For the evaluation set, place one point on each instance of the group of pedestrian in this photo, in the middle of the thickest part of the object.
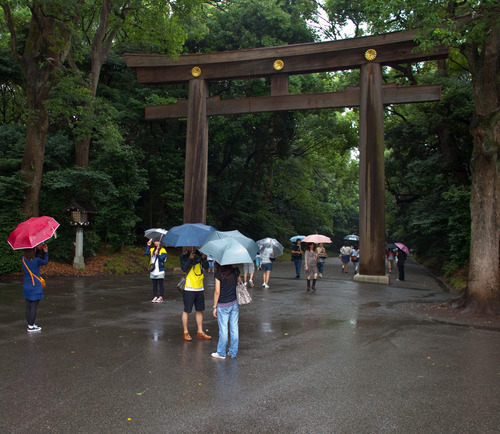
(349, 254)
(225, 307)
(193, 262)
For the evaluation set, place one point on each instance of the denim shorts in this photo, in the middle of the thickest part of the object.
(196, 298)
(268, 266)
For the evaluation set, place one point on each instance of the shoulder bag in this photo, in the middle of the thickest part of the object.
(41, 279)
(242, 294)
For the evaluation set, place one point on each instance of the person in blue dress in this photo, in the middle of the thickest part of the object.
(33, 290)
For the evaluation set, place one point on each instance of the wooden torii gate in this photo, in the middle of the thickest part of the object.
(367, 53)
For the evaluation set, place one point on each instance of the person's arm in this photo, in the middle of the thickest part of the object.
(216, 295)
(45, 259)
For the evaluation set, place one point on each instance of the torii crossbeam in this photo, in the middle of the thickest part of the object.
(367, 53)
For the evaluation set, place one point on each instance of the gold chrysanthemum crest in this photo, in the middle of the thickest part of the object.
(196, 71)
(278, 64)
(370, 54)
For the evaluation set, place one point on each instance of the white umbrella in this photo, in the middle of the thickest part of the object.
(270, 244)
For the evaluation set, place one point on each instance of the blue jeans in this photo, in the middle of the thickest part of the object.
(298, 264)
(228, 315)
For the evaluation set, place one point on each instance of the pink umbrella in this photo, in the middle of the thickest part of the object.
(32, 232)
(403, 248)
(317, 238)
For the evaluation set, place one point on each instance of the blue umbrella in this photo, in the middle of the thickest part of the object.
(297, 237)
(248, 243)
(228, 250)
(187, 235)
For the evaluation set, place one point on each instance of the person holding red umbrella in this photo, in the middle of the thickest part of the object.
(33, 289)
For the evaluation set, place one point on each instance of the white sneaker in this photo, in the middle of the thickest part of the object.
(250, 282)
(245, 284)
(154, 300)
(159, 300)
(34, 328)
(263, 285)
(217, 356)
(266, 286)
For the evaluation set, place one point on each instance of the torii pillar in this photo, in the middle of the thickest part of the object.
(196, 166)
(371, 177)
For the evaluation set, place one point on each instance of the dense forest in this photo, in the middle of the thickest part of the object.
(72, 126)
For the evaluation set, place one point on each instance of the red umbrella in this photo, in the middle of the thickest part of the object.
(403, 248)
(32, 232)
(316, 239)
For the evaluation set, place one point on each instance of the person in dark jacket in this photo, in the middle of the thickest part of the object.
(401, 264)
(297, 258)
(33, 290)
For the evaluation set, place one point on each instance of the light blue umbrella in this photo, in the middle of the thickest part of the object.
(297, 237)
(248, 243)
(187, 235)
(228, 251)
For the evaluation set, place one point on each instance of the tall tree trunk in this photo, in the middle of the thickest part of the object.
(483, 292)
(34, 149)
(101, 44)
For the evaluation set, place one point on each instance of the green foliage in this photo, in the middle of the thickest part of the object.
(11, 193)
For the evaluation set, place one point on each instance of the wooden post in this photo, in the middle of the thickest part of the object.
(371, 177)
(196, 172)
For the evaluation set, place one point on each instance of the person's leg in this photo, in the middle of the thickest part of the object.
(185, 317)
(251, 270)
(222, 321)
(401, 271)
(188, 298)
(199, 321)
(297, 267)
(155, 288)
(268, 277)
(234, 315)
(31, 308)
(162, 288)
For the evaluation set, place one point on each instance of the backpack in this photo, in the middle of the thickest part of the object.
(185, 262)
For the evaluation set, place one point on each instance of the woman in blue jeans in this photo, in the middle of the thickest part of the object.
(226, 309)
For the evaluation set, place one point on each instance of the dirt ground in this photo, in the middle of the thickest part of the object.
(444, 314)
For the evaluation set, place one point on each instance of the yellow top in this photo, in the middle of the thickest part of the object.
(194, 279)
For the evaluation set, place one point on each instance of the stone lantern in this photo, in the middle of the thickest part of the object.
(79, 219)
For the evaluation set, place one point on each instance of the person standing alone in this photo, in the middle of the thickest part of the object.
(311, 260)
(157, 257)
(33, 289)
(297, 258)
(401, 264)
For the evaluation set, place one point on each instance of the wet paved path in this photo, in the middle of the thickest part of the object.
(344, 359)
